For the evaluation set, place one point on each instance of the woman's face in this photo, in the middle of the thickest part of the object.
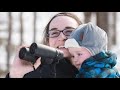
(61, 23)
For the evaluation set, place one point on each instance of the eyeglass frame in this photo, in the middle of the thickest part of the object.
(48, 35)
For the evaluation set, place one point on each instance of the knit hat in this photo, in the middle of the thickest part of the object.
(89, 36)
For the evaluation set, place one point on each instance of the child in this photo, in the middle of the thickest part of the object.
(88, 48)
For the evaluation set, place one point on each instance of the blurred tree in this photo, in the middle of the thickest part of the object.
(107, 21)
(0, 41)
(9, 38)
(34, 25)
(87, 16)
(114, 28)
(21, 28)
(102, 21)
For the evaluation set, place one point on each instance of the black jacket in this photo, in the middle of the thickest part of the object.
(63, 69)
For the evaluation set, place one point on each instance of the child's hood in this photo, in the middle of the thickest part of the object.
(90, 36)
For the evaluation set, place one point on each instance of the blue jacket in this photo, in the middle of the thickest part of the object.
(99, 66)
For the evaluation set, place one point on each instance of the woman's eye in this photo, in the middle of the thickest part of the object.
(54, 33)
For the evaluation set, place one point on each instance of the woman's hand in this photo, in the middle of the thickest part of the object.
(20, 67)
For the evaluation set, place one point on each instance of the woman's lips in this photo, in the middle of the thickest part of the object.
(61, 48)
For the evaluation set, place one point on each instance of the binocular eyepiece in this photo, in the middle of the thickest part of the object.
(35, 51)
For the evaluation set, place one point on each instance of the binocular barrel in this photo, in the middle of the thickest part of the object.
(45, 51)
(24, 54)
(35, 51)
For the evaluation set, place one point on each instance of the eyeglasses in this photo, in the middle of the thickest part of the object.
(56, 33)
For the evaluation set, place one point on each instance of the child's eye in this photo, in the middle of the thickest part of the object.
(72, 56)
(79, 54)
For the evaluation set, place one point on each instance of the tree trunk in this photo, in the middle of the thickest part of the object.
(21, 28)
(114, 28)
(9, 39)
(102, 22)
(87, 16)
(34, 26)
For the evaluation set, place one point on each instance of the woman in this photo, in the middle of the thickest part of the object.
(56, 33)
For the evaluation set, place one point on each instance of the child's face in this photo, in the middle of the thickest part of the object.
(79, 55)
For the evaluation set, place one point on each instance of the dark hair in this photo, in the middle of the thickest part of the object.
(45, 38)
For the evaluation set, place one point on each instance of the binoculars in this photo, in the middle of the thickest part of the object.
(35, 51)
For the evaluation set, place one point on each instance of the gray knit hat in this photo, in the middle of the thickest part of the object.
(89, 36)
